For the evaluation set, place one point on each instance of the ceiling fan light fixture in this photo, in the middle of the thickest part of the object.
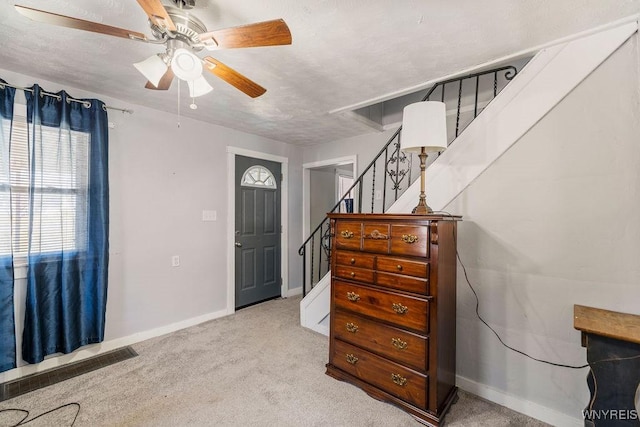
(186, 65)
(153, 68)
(199, 87)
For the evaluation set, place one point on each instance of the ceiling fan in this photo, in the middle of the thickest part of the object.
(183, 34)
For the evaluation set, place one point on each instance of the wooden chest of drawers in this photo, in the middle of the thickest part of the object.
(393, 309)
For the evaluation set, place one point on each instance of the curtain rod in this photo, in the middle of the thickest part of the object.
(87, 104)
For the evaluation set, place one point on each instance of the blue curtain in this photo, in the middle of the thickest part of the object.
(7, 321)
(68, 254)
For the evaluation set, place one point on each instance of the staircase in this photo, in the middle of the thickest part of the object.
(391, 173)
(511, 112)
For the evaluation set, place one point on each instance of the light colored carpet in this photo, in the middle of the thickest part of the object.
(257, 367)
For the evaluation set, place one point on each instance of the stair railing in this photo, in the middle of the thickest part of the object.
(399, 169)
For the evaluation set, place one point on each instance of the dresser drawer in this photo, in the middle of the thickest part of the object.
(376, 238)
(404, 283)
(388, 341)
(391, 377)
(353, 273)
(401, 310)
(410, 240)
(403, 266)
(355, 259)
(348, 235)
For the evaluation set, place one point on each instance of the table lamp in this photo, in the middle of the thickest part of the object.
(424, 129)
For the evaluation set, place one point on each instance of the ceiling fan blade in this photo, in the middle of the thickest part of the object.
(233, 77)
(165, 81)
(157, 14)
(78, 24)
(268, 33)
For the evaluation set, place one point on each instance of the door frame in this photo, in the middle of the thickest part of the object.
(306, 185)
(232, 152)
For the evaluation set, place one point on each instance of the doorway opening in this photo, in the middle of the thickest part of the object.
(324, 183)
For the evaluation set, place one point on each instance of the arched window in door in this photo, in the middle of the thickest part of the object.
(258, 176)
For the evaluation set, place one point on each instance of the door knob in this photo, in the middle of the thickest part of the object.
(238, 245)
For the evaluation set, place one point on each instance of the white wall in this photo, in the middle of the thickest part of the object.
(553, 223)
(322, 187)
(364, 146)
(161, 178)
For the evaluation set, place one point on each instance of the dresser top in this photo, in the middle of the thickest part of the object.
(391, 217)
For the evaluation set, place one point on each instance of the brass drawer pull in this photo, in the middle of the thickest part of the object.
(398, 379)
(399, 267)
(352, 296)
(352, 327)
(353, 274)
(409, 238)
(353, 261)
(399, 308)
(375, 234)
(346, 234)
(353, 360)
(398, 343)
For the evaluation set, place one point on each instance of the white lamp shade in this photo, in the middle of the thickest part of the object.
(153, 68)
(186, 65)
(424, 124)
(199, 87)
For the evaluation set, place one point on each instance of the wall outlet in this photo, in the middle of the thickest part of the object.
(175, 261)
(209, 215)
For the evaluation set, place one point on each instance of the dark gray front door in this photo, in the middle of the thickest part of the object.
(257, 232)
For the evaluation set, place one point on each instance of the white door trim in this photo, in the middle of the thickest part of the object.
(232, 152)
(306, 197)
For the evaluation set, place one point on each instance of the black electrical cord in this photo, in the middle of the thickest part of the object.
(466, 276)
(26, 413)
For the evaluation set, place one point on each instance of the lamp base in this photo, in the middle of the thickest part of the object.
(422, 209)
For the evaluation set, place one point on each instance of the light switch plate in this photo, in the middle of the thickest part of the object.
(209, 215)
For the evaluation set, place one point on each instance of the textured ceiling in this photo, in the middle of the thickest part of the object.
(344, 52)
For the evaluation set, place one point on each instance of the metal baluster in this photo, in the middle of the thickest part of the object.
(360, 195)
(397, 154)
(328, 246)
(443, 85)
(320, 250)
(459, 103)
(384, 186)
(475, 109)
(373, 187)
(313, 255)
(495, 84)
(304, 271)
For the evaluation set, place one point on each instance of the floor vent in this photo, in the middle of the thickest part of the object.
(27, 384)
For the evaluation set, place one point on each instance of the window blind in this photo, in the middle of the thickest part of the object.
(59, 190)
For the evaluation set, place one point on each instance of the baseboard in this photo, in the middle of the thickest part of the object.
(294, 292)
(97, 349)
(534, 410)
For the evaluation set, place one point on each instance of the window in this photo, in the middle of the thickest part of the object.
(60, 185)
(258, 176)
